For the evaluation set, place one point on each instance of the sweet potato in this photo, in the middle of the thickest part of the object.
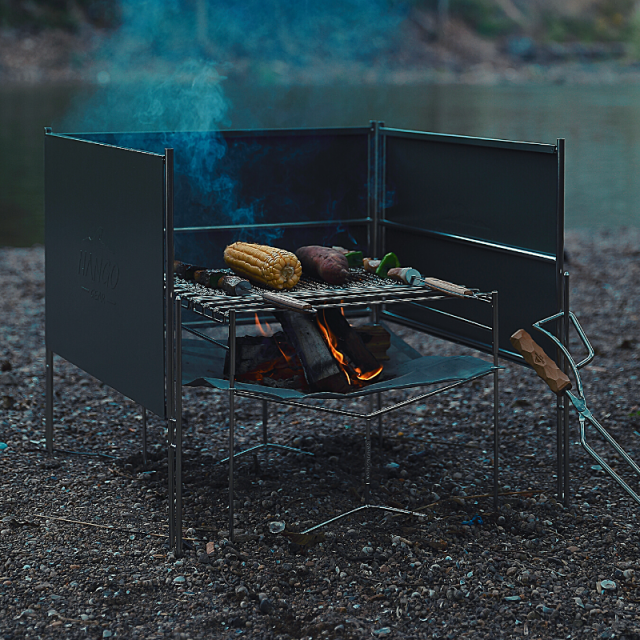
(324, 263)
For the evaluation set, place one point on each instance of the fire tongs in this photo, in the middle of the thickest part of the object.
(560, 384)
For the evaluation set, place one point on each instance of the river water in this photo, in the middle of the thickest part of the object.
(600, 123)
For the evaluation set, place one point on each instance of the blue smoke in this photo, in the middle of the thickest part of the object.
(165, 68)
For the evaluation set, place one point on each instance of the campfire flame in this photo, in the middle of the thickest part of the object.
(349, 371)
(332, 341)
(266, 331)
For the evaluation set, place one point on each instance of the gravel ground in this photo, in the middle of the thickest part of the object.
(532, 568)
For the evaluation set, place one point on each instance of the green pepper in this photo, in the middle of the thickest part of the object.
(390, 261)
(354, 258)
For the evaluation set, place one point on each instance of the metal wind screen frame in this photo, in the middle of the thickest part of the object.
(286, 187)
(488, 214)
(105, 264)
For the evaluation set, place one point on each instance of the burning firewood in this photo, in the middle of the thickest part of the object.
(320, 367)
(268, 360)
(347, 346)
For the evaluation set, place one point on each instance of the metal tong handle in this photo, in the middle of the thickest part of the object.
(548, 373)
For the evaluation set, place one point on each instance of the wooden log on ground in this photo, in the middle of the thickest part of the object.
(320, 367)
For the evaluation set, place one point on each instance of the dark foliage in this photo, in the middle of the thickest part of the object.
(64, 14)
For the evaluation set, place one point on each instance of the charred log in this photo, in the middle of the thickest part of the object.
(321, 370)
(349, 341)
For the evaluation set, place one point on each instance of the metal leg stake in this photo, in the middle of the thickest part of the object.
(367, 456)
(144, 436)
(496, 400)
(48, 425)
(232, 417)
(178, 407)
(172, 490)
(560, 411)
(379, 395)
(561, 401)
(565, 426)
(265, 418)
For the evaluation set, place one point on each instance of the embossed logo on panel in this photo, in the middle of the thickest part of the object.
(98, 270)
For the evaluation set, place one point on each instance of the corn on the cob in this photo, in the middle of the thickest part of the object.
(266, 265)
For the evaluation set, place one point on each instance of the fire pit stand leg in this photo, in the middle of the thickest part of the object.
(144, 436)
(265, 444)
(565, 417)
(367, 455)
(178, 432)
(232, 417)
(49, 402)
(171, 472)
(496, 400)
(379, 396)
(265, 419)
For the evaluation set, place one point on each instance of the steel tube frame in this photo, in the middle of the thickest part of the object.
(368, 417)
(49, 401)
(561, 414)
(496, 399)
(144, 436)
(565, 416)
(232, 417)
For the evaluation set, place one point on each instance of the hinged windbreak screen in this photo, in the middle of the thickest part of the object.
(483, 213)
(104, 264)
(286, 187)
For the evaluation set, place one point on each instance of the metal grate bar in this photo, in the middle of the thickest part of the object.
(361, 290)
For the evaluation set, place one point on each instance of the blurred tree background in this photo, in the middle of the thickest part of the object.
(64, 14)
(545, 20)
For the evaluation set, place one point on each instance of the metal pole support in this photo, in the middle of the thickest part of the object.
(496, 398)
(232, 416)
(178, 435)
(265, 419)
(48, 425)
(565, 426)
(144, 436)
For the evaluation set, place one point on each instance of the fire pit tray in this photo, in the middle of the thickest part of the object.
(202, 365)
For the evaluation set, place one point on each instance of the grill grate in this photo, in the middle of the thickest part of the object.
(361, 289)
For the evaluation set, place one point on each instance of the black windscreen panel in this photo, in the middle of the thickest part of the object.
(482, 213)
(104, 264)
(282, 187)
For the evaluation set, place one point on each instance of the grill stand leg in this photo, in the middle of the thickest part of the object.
(171, 464)
(559, 442)
(367, 456)
(48, 425)
(379, 396)
(174, 437)
(265, 419)
(496, 400)
(367, 482)
(178, 407)
(232, 417)
(565, 426)
(144, 436)
(265, 444)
